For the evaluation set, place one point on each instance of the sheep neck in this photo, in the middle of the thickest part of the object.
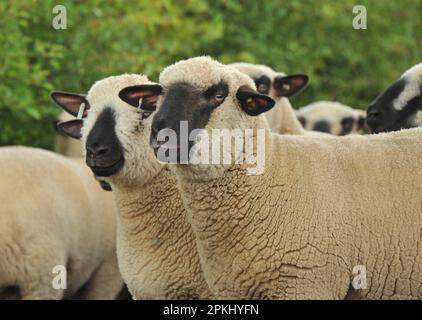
(283, 120)
(156, 243)
(225, 213)
(153, 204)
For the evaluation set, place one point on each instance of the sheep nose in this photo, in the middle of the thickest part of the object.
(97, 151)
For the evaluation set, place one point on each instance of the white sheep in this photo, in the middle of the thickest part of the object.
(278, 86)
(331, 117)
(324, 209)
(53, 213)
(400, 105)
(156, 247)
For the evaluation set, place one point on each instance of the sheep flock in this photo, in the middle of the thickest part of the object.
(208, 184)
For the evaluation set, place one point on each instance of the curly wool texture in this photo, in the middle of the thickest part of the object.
(53, 212)
(419, 118)
(156, 247)
(323, 206)
(331, 111)
(281, 118)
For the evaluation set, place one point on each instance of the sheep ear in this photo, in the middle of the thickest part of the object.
(253, 102)
(71, 102)
(70, 128)
(149, 94)
(289, 85)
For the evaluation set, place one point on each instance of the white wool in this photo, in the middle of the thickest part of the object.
(419, 118)
(211, 71)
(330, 111)
(413, 87)
(53, 212)
(323, 206)
(156, 248)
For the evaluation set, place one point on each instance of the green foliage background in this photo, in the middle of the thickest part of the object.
(111, 37)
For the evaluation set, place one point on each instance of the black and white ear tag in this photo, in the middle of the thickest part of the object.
(81, 111)
(144, 113)
(141, 111)
(286, 86)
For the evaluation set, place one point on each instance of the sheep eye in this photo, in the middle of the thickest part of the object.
(216, 94)
(219, 97)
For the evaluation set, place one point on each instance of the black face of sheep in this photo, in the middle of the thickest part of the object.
(361, 124)
(284, 86)
(385, 114)
(346, 125)
(184, 102)
(322, 126)
(263, 84)
(104, 152)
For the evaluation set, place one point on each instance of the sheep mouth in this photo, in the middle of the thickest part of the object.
(106, 171)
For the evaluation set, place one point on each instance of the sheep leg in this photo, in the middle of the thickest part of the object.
(106, 282)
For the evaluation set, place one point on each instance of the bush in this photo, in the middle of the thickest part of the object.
(106, 38)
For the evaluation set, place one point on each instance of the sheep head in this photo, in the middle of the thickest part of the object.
(114, 134)
(397, 107)
(276, 84)
(205, 95)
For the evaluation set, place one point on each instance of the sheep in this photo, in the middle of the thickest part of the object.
(278, 86)
(400, 105)
(156, 247)
(65, 145)
(332, 117)
(53, 213)
(323, 209)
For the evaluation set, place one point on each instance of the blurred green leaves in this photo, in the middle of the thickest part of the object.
(106, 38)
